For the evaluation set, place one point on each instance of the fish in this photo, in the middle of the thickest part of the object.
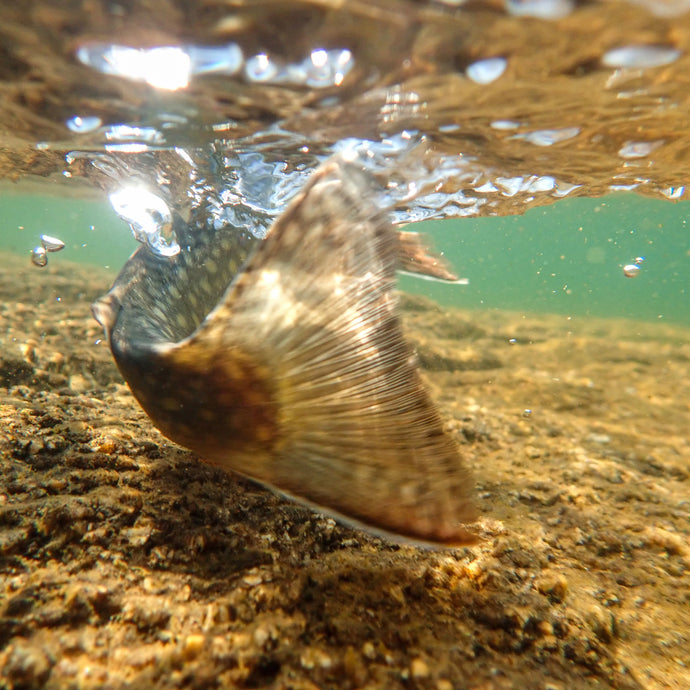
(286, 363)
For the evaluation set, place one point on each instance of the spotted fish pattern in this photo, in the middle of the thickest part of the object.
(286, 363)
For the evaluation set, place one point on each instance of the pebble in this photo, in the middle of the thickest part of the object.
(315, 658)
(419, 668)
(107, 446)
(261, 636)
(601, 622)
(27, 666)
(553, 585)
(253, 579)
(601, 439)
(78, 383)
(192, 647)
(369, 651)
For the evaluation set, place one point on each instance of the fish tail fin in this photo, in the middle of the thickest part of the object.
(415, 255)
(309, 370)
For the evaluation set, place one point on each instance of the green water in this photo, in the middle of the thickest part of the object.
(568, 258)
(565, 258)
(93, 234)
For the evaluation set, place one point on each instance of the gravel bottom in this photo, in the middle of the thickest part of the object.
(126, 562)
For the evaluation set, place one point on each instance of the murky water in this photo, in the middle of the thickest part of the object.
(544, 148)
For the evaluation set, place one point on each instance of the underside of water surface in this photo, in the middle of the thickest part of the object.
(462, 109)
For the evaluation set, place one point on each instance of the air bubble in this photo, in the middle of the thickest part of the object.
(504, 124)
(321, 69)
(260, 69)
(673, 192)
(327, 68)
(163, 67)
(548, 137)
(39, 257)
(128, 134)
(541, 9)
(640, 57)
(631, 270)
(639, 149)
(83, 125)
(486, 71)
(226, 60)
(52, 244)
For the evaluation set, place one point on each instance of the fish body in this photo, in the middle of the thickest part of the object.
(290, 366)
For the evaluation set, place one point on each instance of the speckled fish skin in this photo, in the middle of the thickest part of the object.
(297, 374)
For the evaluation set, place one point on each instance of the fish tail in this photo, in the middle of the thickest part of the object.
(301, 378)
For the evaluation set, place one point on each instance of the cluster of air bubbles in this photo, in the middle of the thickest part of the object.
(320, 69)
(632, 270)
(149, 218)
(172, 67)
(120, 138)
(252, 183)
(256, 189)
(510, 186)
(39, 254)
(392, 145)
(147, 136)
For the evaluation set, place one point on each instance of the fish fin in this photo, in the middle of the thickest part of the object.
(311, 331)
(417, 257)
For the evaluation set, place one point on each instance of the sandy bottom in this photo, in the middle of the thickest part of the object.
(126, 562)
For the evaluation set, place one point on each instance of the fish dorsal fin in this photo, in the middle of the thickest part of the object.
(307, 359)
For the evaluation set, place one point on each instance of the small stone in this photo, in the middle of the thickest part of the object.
(419, 668)
(353, 667)
(261, 636)
(138, 535)
(545, 628)
(315, 658)
(549, 643)
(27, 666)
(601, 439)
(28, 350)
(553, 585)
(107, 446)
(369, 651)
(193, 646)
(78, 383)
(252, 579)
(601, 622)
